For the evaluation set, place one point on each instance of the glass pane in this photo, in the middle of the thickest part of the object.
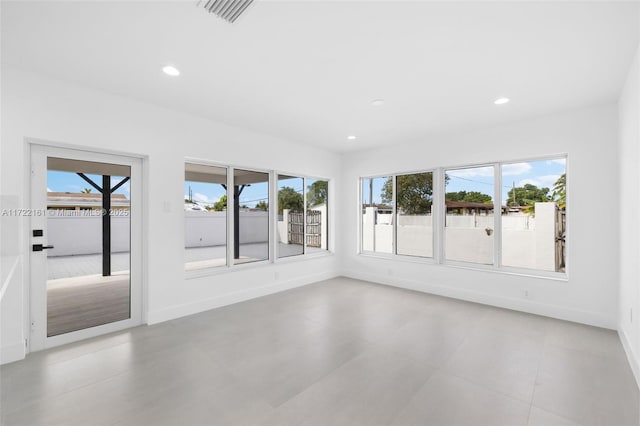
(290, 216)
(88, 266)
(205, 216)
(414, 198)
(377, 214)
(533, 221)
(469, 214)
(317, 215)
(251, 224)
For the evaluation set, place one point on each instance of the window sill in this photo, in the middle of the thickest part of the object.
(401, 258)
(303, 257)
(226, 269)
(529, 273)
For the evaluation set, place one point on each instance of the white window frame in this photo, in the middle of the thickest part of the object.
(439, 213)
(435, 208)
(442, 229)
(305, 254)
(212, 269)
(361, 223)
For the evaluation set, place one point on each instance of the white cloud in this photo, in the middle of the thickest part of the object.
(49, 189)
(515, 169)
(540, 181)
(201, 198)
(523, 182)
(548, 180)
(472, 172)
(561, 161)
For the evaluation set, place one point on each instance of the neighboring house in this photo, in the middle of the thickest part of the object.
(467, 208)
(83, 201)
(193, 207)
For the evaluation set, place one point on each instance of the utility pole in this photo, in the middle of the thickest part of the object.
(371, 192)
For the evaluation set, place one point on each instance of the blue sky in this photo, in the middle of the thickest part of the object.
(542, 173)
(71, 182)
(207, 193)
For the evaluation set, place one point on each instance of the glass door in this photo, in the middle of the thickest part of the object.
(84, 245)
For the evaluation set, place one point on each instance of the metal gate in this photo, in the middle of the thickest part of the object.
(314, 226)
(295, 228)
(561, 229)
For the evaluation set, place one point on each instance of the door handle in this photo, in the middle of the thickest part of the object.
(40, 247)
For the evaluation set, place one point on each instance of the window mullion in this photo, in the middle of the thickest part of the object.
(438, 206)
(394, 229)
(230, 216)
(304, 215)
(497, 216)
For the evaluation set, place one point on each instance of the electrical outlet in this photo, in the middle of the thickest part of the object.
(526, 294)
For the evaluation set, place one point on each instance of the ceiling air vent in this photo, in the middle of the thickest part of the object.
(229, 10)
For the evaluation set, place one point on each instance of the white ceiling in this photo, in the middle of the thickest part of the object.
(308, 70)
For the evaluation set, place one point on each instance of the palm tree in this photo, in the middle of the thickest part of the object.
(86, 191)
(560, 191)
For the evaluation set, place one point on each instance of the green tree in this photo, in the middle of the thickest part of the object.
(262, 205)
(469, 197)
(221, 204)
(317, 193)
(560, 191)
(414, 193)
(288, 198)
(527, 195)
(86, 191)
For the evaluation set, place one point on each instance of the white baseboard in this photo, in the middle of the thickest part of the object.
(12, 353)
(632, 357)
(179, 311)
(584, 317)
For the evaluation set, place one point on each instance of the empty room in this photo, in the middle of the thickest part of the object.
(310, 212)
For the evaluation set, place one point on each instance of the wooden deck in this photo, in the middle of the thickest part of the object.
(81, 302)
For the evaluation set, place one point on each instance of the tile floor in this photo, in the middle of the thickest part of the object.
(91, 264)
(340, 352)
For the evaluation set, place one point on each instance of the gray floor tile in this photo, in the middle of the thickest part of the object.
(429, 339)
(502, 362)
(449, 400)
(368, 390)
(338, 352)
(517, 323)
(587, 388)
(580, 337)
(540, 417)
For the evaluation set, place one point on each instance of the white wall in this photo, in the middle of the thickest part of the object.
(34, 106)
(82, 234)
(588, 136)
(524, 244)
(205, 229)
(11, 337)
(629, 208)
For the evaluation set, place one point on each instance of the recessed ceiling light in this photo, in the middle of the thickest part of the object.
(377, 102)
(172, 71)
(501, 101)
(351, 137)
